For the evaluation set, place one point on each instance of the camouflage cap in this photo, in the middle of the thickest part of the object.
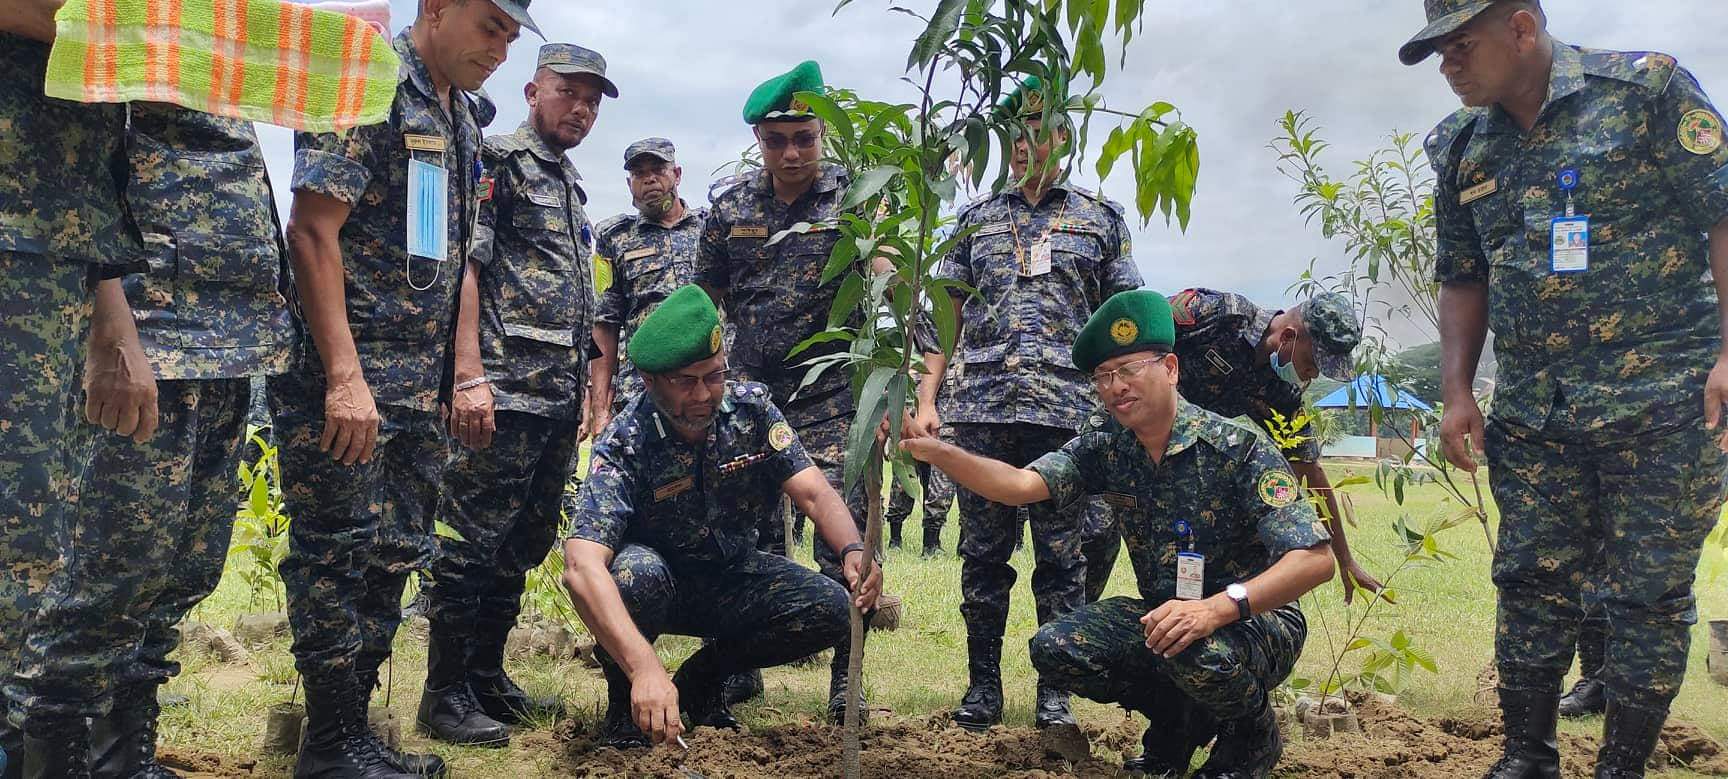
(1444, 18)
(1332, 327)
(518, 10)
(658, 148)
(570, 59)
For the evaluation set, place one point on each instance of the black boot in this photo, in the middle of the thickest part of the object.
(1176, 726)
(981, 706)
(837, 699)
(894, 541)
(416, 763)
(1588, 695)
(57, 751)
(1532, 751)
(448, 710)
(1629, 737)
(702, 697)
(743, 686)
(1247, 748)
(337, 743)
(1163, 755)
(123, 744)
(1052, 708)
(619, 729)
(497, 693)
(932, 542)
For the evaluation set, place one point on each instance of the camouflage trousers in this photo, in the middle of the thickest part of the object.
(764, 612)
(938, 496)
(1618, 523)
(357, 532)
(44, 309)
(1099, 652)
(988, 532)
(505, 501)
(149, 537)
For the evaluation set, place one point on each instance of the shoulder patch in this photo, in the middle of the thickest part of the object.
(1279, 489)
(1182, 307)
(780, 436)
(1701, 131)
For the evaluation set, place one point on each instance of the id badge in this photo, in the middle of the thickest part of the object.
(1570, 252)
(428, 210)
(1190, 576)
(1040, 263)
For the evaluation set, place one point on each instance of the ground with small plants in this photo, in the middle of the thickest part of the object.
(1438, 724)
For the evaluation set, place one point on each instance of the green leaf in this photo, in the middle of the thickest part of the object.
(862, 437)
(826, 336)
(445, 531)
(867, 184)
(942, 26)
(824, 106)
(799, 228)
(846, 300)
(845, 251)
(1359, 643)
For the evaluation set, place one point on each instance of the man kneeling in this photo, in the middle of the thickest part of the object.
(1221, 538)
(663, 534)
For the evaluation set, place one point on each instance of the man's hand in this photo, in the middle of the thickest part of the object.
(120, 388)
(863, 595)
(922, 449)
(350, 421)
(654, 705)
(1172, 627)
(1352, 575)
(471, 419)
(925, 424)
(1462, 420)
(1715, 395)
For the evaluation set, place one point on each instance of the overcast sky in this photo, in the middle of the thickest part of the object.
(1233, 68)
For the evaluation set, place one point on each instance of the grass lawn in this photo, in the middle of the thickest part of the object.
(1447, 610)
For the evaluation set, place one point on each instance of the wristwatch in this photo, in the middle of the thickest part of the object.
(1239, 593)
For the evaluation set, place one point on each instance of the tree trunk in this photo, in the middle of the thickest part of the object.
(851, 765)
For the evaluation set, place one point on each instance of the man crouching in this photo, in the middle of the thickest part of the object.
(1221, 538)
(663, 534)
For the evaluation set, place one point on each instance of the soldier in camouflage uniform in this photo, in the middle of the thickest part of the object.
(357, 418)
(1580, 201)
(1221, 542)
(503, 496)
(774, 295)
(1043, 257)
(150, 533)
(1242, 360)
(663, 533)
(651, 253)
(62, 227)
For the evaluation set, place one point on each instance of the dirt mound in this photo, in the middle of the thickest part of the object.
(1689, 746)
(895, 749)
(203, 764)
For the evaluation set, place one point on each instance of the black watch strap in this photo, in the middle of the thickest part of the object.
(855, 546)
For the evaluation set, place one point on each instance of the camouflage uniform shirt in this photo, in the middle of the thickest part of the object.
(212, 304)
(1016, 341)
(401, 309)
(535, 294)
(1218, 336)
(648, 262)
(774, 295)
(1627, 343)
(698, 506)
(1243, 506)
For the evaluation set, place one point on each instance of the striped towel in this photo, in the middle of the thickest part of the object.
(261, 60)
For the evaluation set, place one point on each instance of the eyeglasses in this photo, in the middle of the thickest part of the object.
(1102, 380)
(685, 383)
(803, 140)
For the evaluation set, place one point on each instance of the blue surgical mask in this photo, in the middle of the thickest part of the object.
(1286, 370)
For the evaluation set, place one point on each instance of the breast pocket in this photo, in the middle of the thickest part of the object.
(541, 211)
(221, 285)
(654, 276)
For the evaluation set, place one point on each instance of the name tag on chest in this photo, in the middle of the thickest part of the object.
(541, 199)
(673, 489)
(1478, 192)
(749, 231)
(637, 254)
(417, 142)
(1121, 500)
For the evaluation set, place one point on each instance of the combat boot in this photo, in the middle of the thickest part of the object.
(837, 700)
(743, 686)
(418, 764)
(981, 706)
(497, 693)
(702, 698)
(123, 744)
(894, 540)
(59, 750)
(1588, 695)
(448, 710)
(336, 744)
(619, 729)
(1629, 737)
(1247, 748)
(932, 542)
(1052, 708)
(1532, 751)
(1163, 755)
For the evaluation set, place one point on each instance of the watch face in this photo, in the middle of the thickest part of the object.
(1236, 591)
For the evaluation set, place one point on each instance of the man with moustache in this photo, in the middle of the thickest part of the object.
(1043, 255)
(1581, 203)
(378, 237)
(651, 253)
(502, 494)
(663, 535)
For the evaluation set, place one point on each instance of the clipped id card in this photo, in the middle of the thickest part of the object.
(428, 210)
(1190, 576)
(1040, 262)
(1571, 248)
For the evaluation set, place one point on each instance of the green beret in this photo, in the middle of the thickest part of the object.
(683, 329)
(1024, 101)
(1134, 321)
(773, 99)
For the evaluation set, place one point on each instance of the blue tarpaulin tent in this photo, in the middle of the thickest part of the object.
(1370, 390)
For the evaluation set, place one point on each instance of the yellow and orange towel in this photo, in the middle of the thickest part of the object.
(263, 60)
